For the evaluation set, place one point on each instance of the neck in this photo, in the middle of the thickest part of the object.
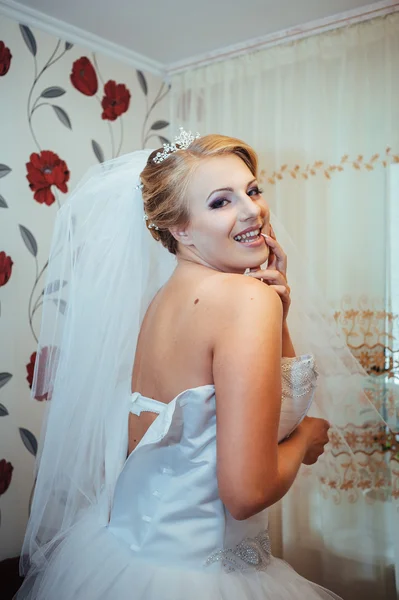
(188, 255)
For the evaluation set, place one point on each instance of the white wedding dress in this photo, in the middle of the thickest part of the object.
(169, 536)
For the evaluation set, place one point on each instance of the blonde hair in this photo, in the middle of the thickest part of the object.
(165, 184)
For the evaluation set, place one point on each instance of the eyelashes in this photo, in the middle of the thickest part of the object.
(257, 191)
(220, 202)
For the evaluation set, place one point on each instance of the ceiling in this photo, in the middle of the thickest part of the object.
(172, 31)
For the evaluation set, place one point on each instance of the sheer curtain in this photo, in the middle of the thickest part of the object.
(323, 113)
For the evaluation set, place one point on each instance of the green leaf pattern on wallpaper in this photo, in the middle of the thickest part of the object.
(48, 176)
(147, 130)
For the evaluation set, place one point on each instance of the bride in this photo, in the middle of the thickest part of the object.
(156, 486)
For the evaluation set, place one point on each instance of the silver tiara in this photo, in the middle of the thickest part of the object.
(182, 141)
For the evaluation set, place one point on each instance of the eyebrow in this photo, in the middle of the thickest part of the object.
(228, 189)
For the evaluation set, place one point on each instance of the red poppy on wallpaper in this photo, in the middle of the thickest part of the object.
(83, 76)
(48, 356)
(6, 470)
(116, 100)
(5, 59)
(30, 367)
(5, 268)
(44, 170)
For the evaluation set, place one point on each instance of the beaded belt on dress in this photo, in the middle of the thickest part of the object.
(251, 553)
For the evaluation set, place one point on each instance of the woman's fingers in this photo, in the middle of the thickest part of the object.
(280, 257)
(283, 291)
(272, 261)
(277, 281)
(269, 276)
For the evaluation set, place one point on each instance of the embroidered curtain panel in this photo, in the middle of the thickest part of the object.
(323, 113)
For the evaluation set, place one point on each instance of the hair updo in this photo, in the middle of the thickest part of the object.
(164, 184)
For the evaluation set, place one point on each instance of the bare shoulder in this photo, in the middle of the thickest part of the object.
(234, 293)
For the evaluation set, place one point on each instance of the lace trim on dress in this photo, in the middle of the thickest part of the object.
(298, 376)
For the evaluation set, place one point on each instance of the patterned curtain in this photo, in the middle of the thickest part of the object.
(323, 114)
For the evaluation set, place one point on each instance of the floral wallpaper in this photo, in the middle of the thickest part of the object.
(62, 109)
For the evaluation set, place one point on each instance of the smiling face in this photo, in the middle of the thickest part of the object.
(227, 212)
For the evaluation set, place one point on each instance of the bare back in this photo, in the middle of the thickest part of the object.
(209, 327)
(174, 351)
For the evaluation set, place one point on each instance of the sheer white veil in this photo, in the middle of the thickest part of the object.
(104, 270)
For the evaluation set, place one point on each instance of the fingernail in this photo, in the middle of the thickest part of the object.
(267, 237)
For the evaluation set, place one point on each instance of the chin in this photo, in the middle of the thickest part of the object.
(256, 259)
(250, 260)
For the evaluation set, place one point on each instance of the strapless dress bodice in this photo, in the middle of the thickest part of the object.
(166, 504)
(168, 535)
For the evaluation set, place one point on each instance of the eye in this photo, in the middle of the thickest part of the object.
(219, 203)
(256, 191)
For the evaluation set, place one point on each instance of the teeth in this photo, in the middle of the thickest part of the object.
(247, 236)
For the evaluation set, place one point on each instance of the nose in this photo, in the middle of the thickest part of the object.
(250, 209)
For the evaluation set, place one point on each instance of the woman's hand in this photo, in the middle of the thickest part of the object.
(316, 432)
(275, 273)
(277, 257)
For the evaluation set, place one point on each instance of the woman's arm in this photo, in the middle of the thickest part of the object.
(275, 275)
(253, 470)
(288, 350)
